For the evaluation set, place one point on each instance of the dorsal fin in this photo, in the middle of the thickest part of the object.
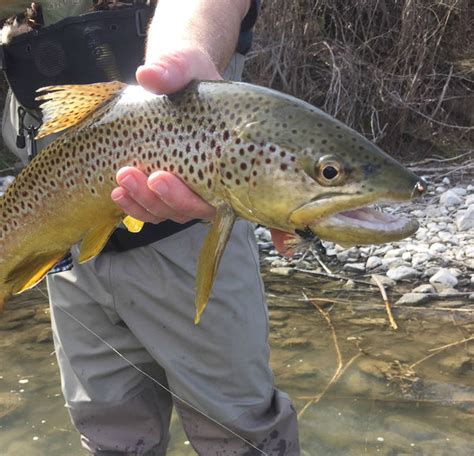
(69, 105)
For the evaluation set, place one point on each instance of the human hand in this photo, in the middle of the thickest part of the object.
(163, 196)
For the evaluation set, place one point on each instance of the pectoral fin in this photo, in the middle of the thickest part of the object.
(133, 225)
(30, 271)
(210, 256)
(95, 240)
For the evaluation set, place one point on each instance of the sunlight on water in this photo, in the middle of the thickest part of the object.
(389, 401)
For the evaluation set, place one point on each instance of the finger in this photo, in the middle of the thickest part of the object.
(131, 207)
(280, 238)
(136, 184)
(177, 196)
(174, 70)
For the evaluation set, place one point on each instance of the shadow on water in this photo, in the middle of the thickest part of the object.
(389, 401)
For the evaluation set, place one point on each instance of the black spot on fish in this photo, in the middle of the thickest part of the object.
(368, 170)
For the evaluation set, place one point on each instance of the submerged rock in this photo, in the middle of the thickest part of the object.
(414, 299)
(444, 278)
(466, 220)
(402, 272)
(10, 403)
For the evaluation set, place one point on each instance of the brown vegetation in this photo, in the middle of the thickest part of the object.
(400, 72)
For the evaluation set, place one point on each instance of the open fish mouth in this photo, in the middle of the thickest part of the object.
(365, 225)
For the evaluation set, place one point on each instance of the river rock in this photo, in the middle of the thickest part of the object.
(263, 234)
(457, 363)
(373, 262)
(450, 198)
(384, 280)
(444, 278)
(437, 247)
(449, 293)
(46, 335)
(282, 271)
(18, 314)
(425, 288)
(402, 272)
(446, 236)
(419, 259)
(9, 325)
(42, 315)
(9, 403)
(393, 253)
(296, 342)
(466, 220)
(459, 191)
(356, 267)
(413, 299)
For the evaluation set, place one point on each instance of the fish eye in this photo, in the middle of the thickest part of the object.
(329, 170)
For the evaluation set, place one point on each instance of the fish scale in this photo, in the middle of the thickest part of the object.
(249, 151)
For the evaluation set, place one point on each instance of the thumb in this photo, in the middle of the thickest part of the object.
(172, 71)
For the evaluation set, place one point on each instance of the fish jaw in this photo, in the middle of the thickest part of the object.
(363, 226)
(347, 220)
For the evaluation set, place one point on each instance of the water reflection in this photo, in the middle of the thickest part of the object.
(397, 397)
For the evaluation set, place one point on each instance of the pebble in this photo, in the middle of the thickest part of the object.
(402, 272)
(414, 299)
(384, 280)
(373, 262)
(46, 335)
(282, 271)
(466, 220)
(420, 258)
(356, 267)
(444, 278)
(425, 288)
(296, 342)
(450, 198)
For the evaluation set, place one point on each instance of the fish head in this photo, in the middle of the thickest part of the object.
(313, 173)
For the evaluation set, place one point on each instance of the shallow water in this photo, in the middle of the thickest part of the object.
(381, 404)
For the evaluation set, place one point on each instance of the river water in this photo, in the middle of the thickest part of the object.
(377, 391)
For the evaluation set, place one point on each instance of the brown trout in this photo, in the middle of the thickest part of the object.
(249, 151)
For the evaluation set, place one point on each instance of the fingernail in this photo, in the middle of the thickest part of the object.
(161, 188)
(160, 70)
(129, 183)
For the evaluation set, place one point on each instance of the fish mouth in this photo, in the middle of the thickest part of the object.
(349, 220)
(365, 225)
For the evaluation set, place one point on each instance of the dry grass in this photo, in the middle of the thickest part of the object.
(400, 72)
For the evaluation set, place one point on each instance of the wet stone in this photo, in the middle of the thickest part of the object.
(46, 335)
(277, 324)
(384, 280)
(459, 364)
(414, 299)
(278, 315)
(18, 314)
(444, 278)
(282, 271)
(425, 288)
(296, 342)
(402, 272)
(9, 403)
(42, 315)
(8, 325)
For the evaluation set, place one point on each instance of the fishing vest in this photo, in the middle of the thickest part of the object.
(92, 47)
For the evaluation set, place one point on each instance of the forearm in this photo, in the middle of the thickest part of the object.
(208, 25)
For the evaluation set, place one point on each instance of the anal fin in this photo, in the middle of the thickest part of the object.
(210, 256)
(133, 225)
(30, 271)
(95, 240)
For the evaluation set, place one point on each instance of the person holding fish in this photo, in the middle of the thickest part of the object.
(138, 297)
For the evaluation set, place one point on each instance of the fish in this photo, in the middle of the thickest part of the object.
(249, 151)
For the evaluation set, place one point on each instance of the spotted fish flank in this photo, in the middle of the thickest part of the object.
(250, 152)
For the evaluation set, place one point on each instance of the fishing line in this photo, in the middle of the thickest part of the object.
(154, 380)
